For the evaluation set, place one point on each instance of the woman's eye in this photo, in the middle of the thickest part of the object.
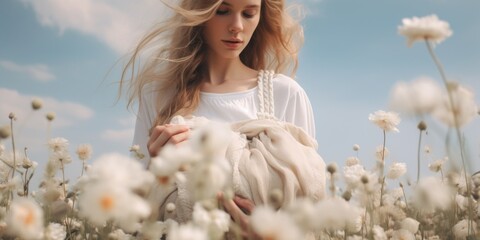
(249, 14)
(222, 12)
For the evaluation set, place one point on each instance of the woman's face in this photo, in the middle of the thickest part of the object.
(232, 27)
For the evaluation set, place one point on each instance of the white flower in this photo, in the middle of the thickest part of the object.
(436, 165)
(397, 170)
(431, 194)
(120, 170)
(352, 175)
(425, 28)
(58, 144)
(215, 221)
(303, 212)
(187, 232)
(410, 224)
(381, 153)
(270, 224)
(338, 214)
(170, 161)
(60, 158)
(402, 234)
(155, 230)
(206, 179)
(25, 219)
(352, 161)
(119, 234)
(460, 230)
(101, 202)
(55, 231)
(387, 121)
(379, 233)
(464, 107)
(84, 151)
(462, 202)
(420, 96)
(211, 140)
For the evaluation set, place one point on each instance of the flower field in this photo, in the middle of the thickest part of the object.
(118, 197)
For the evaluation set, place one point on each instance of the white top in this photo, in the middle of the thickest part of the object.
(291, 104)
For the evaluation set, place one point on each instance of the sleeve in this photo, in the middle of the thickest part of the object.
(144, 121)
(299, 111)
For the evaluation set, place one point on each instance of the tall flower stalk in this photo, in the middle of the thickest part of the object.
(422, 126)
(431, 30)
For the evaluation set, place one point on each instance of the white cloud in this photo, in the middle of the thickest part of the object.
(67, 113)
(38, 72)
(121, 135)
(118, 23)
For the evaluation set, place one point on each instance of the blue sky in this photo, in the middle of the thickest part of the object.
(69, 54)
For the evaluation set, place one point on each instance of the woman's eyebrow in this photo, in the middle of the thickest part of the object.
(248, 6)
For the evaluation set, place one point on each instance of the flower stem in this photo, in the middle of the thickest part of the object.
(418, 155)
(455, 120)
(382, 169)
(63, 179)
(13, 148)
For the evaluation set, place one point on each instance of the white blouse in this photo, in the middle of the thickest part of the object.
(291, 104)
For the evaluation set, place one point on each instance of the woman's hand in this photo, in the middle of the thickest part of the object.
(239, 209)
(166, 134)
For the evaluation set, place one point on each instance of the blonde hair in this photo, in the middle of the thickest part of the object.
(178, 64)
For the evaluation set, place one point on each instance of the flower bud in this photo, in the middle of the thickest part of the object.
(36, 104)
(332, 168)
(11, 115)
(5, 132)
(276, 198)
(50, 116)
(356, 147)
(170, 208)
(347, 195)
(364, 179)
(422, 126)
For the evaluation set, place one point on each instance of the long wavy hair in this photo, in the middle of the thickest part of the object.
(177, 54)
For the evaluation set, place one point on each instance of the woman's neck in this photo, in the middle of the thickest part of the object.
(228, 75)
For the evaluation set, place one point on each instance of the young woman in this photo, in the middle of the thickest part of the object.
(208, 61)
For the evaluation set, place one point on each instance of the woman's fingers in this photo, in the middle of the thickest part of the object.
(237, 214)
(163, 134)
(179, 138)
(246, 205)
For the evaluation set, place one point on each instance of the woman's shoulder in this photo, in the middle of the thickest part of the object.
(286, 84)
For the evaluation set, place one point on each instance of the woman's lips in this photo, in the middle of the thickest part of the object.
(232, 43)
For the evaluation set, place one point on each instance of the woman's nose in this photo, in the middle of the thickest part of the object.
(236, 24)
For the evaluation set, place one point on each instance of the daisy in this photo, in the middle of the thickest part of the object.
(25, 219)
(102, 202)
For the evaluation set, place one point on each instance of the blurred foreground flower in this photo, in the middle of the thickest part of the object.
(418, 97)
(463, 109)
(25, 219)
